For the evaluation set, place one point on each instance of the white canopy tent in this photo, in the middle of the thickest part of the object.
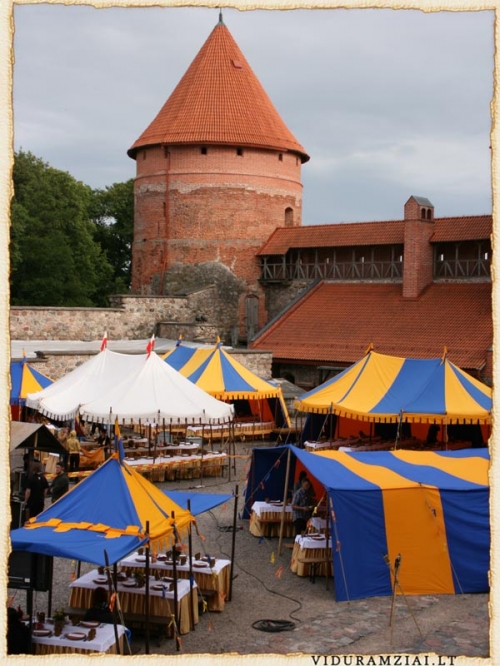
(62, 399)
(157, 393)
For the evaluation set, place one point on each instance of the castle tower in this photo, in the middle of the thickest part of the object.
(217, 172)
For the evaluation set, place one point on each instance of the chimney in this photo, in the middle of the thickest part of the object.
(418, 254)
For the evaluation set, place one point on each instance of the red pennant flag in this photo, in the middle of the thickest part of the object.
(104, 342)
(151, 345)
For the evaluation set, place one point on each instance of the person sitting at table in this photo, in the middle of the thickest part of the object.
(74, 452)
(18, 634)
(303, 506)
(298, 483)
(103, 439)
(35, 491)
(60, 484)
(99, 611)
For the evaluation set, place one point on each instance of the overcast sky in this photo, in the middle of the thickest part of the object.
(386, 103)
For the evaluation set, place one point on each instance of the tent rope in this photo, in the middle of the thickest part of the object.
(337, 541)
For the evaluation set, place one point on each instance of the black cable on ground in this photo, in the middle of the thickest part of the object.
(273, 626)
(279, 594)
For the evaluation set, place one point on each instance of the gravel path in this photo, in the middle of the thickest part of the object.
(266, 589)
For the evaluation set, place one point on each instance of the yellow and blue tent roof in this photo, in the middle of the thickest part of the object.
(107, 510)
(220, 375)
(386, 388)
(25, 379)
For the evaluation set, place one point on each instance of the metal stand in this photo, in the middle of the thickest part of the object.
(396, 584)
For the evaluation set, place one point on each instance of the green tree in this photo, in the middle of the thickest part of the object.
(112, 211)
(55, 257)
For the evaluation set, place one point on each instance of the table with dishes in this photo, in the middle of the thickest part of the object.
(265, 519)
(212, 575)
(312, 556)
(132, 597)
(186, 466)
(77, 639)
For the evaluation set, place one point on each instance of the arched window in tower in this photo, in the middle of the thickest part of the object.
(288, 217)
(423, 213)
(428, 213)
(280, 157)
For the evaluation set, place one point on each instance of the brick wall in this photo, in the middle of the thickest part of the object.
(418, 253)
(221, 208)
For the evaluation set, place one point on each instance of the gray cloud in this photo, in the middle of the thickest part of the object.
(387, 103)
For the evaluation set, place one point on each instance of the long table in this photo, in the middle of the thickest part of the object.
(132, 599)
(312, 557)
(103, 642)
(169, 468)
(213, 582)
(265, 520)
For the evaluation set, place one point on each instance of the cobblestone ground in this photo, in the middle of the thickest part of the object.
(265, 588)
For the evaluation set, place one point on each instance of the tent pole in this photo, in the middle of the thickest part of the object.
(331, 424)
(174, 571)
(285, 497)
(110, 588)
(327, 535)
(231, 440)
(146, 596)
(233, 544)
(191, 575)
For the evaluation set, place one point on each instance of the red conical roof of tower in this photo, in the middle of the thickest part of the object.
(219, 100)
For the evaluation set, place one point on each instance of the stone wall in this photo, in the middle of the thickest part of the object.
(55, 365)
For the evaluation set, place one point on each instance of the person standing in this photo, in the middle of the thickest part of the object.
(60, 484)
(302, 506)
(74, 452)
(35, 491)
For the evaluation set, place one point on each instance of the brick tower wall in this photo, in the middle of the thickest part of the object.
(221, 207)
(418, 252)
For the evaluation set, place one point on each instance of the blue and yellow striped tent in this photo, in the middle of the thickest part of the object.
(388, 388)
(107, 510)
(25, 379)
(223, 377)
(432, 508)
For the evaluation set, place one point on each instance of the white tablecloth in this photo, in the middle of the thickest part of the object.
(264, 507)
(87, 582)
(306, 542)
(103, 641)
(131, 561)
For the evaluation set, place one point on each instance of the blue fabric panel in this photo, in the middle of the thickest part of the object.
(200, 502)
(359, 567)
(180, 357)
(233, 381)
(194, 376)
(468, 534)
(103, 497)
(16, 374)
(410, 381)
(263, 470)
(332, 474)
(431, 398)
(481, 399)
(425, 474)
(75, 544)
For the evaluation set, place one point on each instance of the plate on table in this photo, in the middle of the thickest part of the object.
(318, 537)
(129, 583)
(76, 636)
(140, 558)
(275, 502)
(166, 579)
(90, 624)
(42, 632)
(100, 580)
(130, 458)
(161, 558)
(200, 565)
(159, 586)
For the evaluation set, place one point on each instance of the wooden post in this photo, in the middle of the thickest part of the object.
(233, 545)
(110, 589)
(190, 542)
(174, 571)
(146, 596)
(285, 497)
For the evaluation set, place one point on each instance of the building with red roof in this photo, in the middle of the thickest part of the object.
(218, 200)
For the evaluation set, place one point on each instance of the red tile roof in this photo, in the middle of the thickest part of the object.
(335, 322)
(219, 100)
(446, 229)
